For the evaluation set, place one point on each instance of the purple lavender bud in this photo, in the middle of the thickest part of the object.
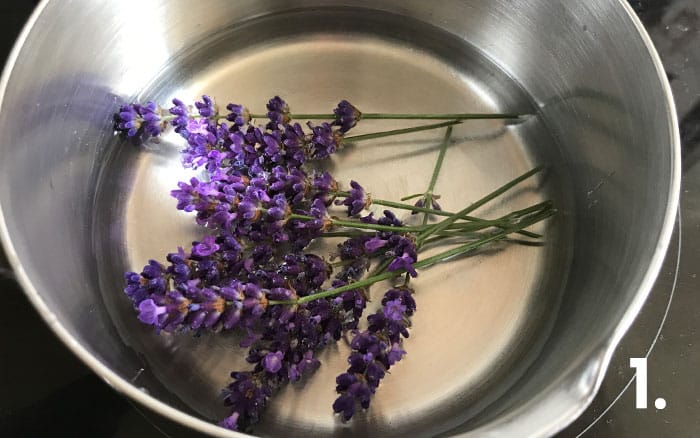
(128, 120)
(308, 362)
(374, 244)
(150, 113)
(374, 373)
(153, 270)
(136, 118)
(248, 396)
(395, 354)
(181, 113)
(345, 405)
(389, 219)
(248, 210)
(368, 219)
(233, 315)
(394, 310)
(404, 262)
(206, 247)
(357, 201)
(403, 295)
(178, 269)
(238, 115)
(273, 362)
(277, 112)
(421, 203)
(273, 147)
(405, 256)
(280, 209)
(295, 143)
(280, 294)
(323, 182)
(346, 116)
(149, 312)
(135, 289)
(230, 422)
(324, 141)
(205, 107)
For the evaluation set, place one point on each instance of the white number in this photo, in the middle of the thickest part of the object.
(640, 364)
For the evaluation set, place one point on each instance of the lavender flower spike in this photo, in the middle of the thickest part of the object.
(277, 112)
(136, 118)
(346, 116)
(357, 201)
(374, 351)
(206, 107)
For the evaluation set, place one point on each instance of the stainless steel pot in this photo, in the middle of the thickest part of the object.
(509, 344)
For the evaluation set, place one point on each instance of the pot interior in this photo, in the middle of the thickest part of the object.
(493, 332)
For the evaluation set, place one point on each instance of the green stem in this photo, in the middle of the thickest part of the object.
(381, 267)
(379, 116)
(474, 225)
(456, 116)
(462, 249)
(416, 209)
(440, 159)
(391, 116)
(381, 134)
(414, 196)
(361, 225)
(496, 193)
(436, 172)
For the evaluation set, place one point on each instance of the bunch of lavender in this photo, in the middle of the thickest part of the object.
(254, 272)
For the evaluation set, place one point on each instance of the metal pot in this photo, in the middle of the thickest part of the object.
(512, 343)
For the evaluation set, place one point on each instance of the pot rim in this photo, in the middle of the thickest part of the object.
(597, 364)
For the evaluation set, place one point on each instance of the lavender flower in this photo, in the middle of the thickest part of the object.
(282, 354)
(324, 141)
(324, 186)
(206, 107)
(346, 116)
(149, 312)
(136, 118)
(208, 144)
(205, 248)
(404, 252)
(357, 201)
(200, 290)
(399, 248)
(128, 120)
(248, 395)
(305, 272)
(273, 362)
(295, 144)
(374, 352)
(277, 112)
(433, 203)
(238, 115)
(181, 113)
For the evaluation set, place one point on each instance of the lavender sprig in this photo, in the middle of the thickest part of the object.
(374, 352)
(345, 115)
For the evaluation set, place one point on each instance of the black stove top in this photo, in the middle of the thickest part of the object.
(46, 391)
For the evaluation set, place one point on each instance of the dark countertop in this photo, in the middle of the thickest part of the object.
(47, 391)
